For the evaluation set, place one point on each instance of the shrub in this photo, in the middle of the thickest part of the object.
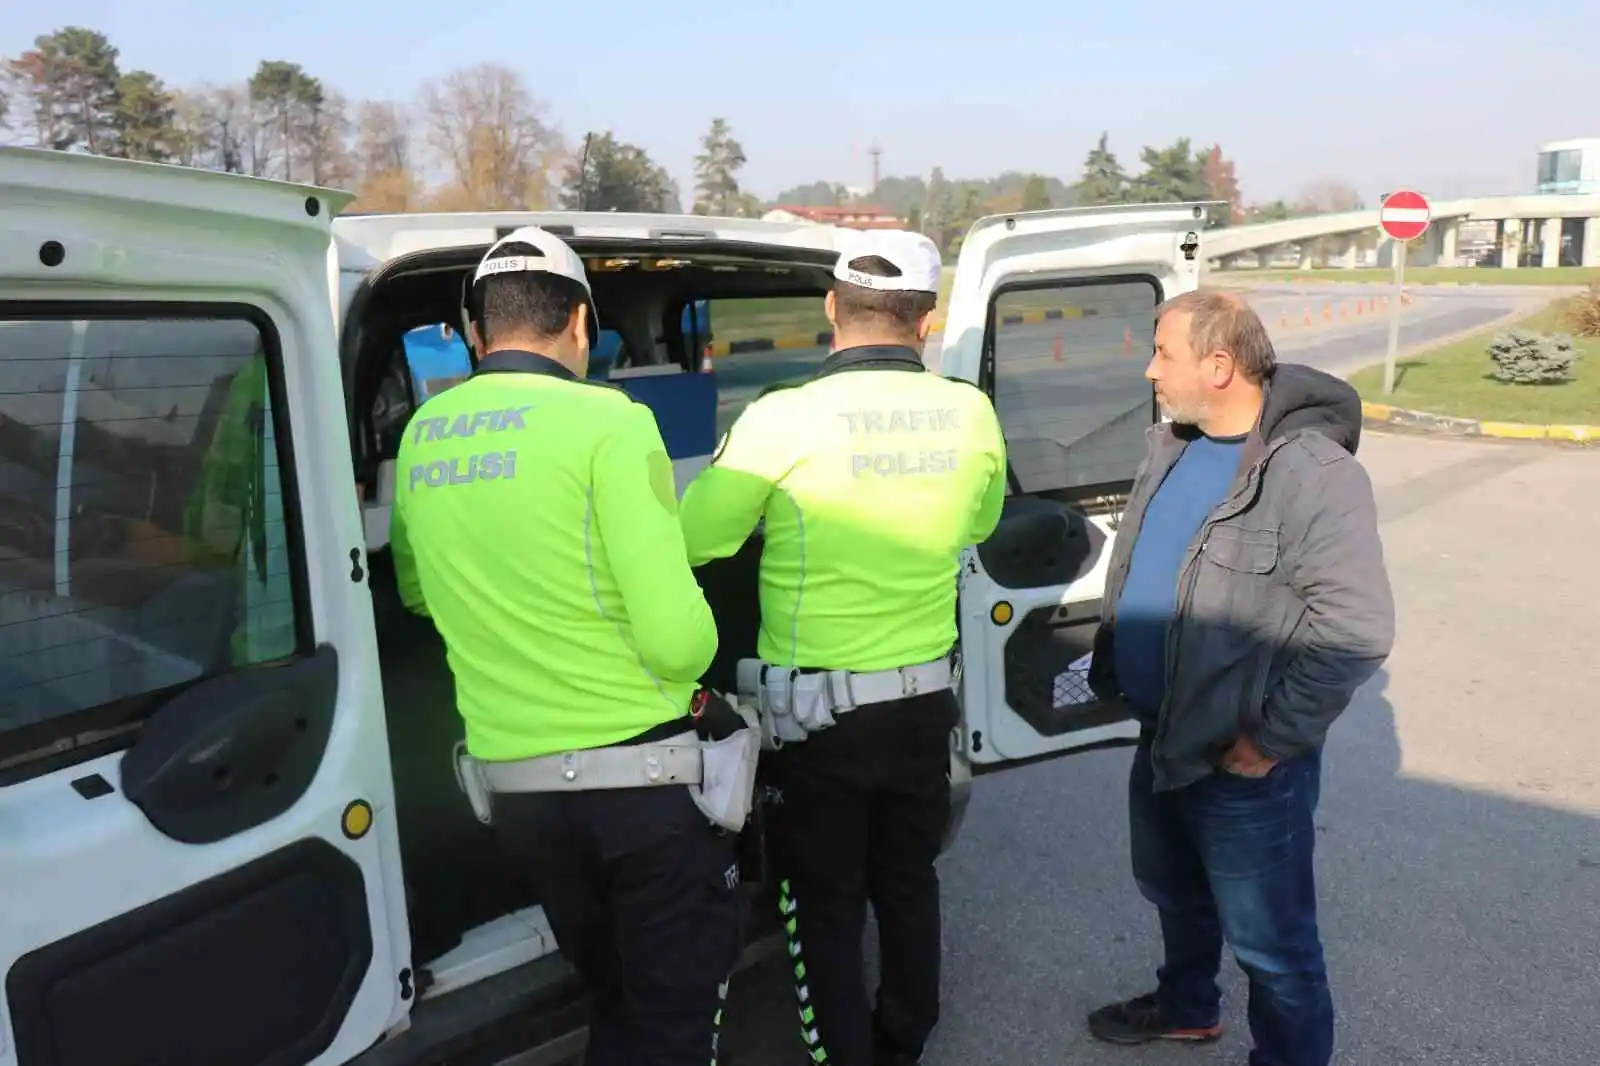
(1581, 314)
(1526, 358)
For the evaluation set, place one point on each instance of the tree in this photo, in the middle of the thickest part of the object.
(301, 127)
(900, 194)
(217, 128)
(1276, 211)
(716, 170)
(814, 194)
(1104, 181)
(69, 85)
(1221, 184)
(324, 143)
(381, 159)
(609, 175)
(1328, 195)
(968, 210)
(939, 209)
(1171, 175)
(1035, 194)
(145, 119)
(492, 138)
(190, 130)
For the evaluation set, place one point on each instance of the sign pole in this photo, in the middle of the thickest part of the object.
(1403, 216)
(1394, 316)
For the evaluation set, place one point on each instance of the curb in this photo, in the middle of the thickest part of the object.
(718, 349)
(790, 341)
(1383, 415)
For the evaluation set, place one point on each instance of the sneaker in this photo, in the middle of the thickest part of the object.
(1139, 1021)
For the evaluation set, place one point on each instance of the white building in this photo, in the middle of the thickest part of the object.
(1569, 167)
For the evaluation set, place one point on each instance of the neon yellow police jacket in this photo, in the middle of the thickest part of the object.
(871, 476)
(535, 520)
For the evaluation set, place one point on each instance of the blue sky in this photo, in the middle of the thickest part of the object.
(1449, 96)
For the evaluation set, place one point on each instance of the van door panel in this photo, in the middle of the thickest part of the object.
(197, 840)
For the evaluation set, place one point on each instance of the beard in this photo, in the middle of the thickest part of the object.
(1188, 414)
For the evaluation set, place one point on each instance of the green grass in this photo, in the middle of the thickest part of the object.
(1426, 275)
(743, 319)
(1455, 379)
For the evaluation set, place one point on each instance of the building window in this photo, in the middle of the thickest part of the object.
(1563, 168)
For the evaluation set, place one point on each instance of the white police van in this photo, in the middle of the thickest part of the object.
(229, 833)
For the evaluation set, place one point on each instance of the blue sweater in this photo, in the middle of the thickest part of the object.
(1196, 484)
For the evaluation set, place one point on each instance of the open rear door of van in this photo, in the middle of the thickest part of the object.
(1053, 314)
(198, 856)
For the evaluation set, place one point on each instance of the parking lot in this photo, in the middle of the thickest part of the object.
(1460, 846)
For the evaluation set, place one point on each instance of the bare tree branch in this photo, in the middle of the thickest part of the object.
(491, 136)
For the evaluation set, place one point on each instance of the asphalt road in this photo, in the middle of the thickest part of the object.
(1459, 849)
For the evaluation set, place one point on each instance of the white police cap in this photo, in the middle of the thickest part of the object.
(912, 254)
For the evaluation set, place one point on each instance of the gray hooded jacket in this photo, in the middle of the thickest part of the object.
(1283, 604)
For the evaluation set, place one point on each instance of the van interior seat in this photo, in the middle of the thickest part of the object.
(685, 406)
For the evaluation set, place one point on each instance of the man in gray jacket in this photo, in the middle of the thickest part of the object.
(1247, 600)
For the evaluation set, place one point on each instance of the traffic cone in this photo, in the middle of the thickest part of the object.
(1308, 315)
(1127, 341)
(1327, 312)
(706, 366)
(1283, 320)
(1059, 359)
(1359, 308)
(1344, 312)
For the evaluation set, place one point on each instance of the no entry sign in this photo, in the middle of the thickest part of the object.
(1405, 215)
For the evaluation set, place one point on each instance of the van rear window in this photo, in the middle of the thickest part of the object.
(1069, 384)
(142, 515)
(759, 341)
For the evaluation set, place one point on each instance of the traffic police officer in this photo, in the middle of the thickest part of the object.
(871, 477)
(536, 521)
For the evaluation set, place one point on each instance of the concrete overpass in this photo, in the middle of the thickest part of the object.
(1548, 230)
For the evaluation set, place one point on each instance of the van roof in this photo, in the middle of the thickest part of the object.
(384, 236)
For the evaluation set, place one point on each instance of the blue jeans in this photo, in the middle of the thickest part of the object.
(1230, 858)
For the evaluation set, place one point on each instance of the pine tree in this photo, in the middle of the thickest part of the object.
(1104, 181)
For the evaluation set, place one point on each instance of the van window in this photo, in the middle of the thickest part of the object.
(437, 358)
(142, 514)
(761, 341)
(1069, 382)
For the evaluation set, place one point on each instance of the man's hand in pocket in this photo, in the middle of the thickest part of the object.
(1244, 759)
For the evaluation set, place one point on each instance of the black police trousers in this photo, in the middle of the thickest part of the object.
(857, 812)
(642, 893)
